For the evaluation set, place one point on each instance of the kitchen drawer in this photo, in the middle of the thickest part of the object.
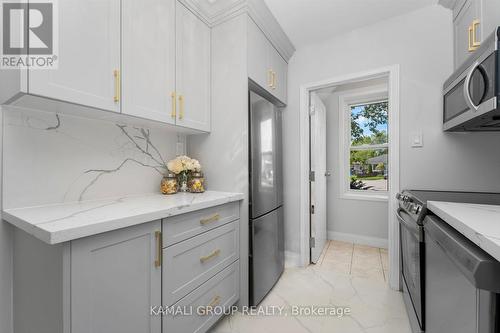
(220, 291)
(179, 228)
(186, 265)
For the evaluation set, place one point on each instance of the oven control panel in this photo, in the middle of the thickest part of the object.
(409, 204)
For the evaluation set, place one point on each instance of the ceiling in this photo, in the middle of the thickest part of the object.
(311, 21)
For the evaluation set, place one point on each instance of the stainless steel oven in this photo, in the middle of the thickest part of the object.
(471, 95)
(411, 213)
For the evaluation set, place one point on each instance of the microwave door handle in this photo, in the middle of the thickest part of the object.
(468, 99)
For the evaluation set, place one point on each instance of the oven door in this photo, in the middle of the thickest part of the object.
(412, 265)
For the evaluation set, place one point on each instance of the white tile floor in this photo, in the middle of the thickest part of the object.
(346, 275)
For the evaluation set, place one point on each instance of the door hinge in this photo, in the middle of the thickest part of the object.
(312, 242)
(312, 176)
(312, 209)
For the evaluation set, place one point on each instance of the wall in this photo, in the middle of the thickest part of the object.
(55, 158)
(421, 43)
(224, 152)
(363, 220)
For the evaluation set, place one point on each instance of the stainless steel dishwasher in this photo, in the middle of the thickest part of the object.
(462, 282)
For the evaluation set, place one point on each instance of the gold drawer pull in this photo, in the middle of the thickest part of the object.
(159, 254)
(116, 74)
(214, 302)
(210, 219)
(210, 256)
(270, 78)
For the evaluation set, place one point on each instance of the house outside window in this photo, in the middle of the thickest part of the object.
(365, 148)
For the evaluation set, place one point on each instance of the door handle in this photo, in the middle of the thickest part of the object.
(116, 75)
(328, 174)
(475, 43)
(158, 260)
(173, 113)
(181, 107)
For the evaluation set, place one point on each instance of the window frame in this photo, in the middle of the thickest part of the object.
(346, 101)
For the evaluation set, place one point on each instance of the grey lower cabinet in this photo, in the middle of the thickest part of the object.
(115, 279)
(109, 282)
(201, 270)
(102, 283)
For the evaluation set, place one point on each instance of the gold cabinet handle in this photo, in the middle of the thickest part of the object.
(274, 80)
(210, 256)
(475, 43)
(470, 48)
(210, 219)
(173, 113)
(181, 106)
(159, 255)
(116, 75)
(270, 78)
(214, 302)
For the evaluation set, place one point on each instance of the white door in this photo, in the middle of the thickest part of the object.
(89, 56)
(318, 166)
(148, 59)
(115, 279)
(192, 71)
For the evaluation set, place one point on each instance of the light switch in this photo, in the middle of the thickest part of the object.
(417, 139)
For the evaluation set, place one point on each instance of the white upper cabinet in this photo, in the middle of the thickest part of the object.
(473, 22)
(259, 67)
(279, 69)
(193, 70)
(89, 56)
(148, 59)
(266, 67)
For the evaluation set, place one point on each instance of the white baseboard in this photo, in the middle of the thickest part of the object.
(359, 239)
(292, 259)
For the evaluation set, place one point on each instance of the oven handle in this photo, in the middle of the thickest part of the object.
(468, 99)
(416, 229)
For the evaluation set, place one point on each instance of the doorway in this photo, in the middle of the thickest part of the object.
(368, 167)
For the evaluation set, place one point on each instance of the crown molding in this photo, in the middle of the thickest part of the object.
(215, 12)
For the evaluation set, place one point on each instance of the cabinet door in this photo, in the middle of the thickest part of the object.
(490, 17)
(259, 62)
(280, 69)
(192, 70)
(463, 21)
(89, 55)
(114, 281)
(148, 59)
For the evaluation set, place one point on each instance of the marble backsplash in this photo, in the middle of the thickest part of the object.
(55, 158)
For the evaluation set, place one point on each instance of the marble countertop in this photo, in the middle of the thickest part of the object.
(64, 222)
(479, 223)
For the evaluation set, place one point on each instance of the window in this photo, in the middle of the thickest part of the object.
(366, 147)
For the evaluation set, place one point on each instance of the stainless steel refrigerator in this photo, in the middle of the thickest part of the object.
(266, 197)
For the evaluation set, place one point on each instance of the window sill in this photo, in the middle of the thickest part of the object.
(364, 196)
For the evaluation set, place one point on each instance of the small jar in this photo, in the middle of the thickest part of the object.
(169, 184)
(196, 183)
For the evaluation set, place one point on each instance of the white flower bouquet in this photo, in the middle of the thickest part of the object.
(183, 166)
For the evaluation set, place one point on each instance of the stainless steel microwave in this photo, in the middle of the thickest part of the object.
(472, 93)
